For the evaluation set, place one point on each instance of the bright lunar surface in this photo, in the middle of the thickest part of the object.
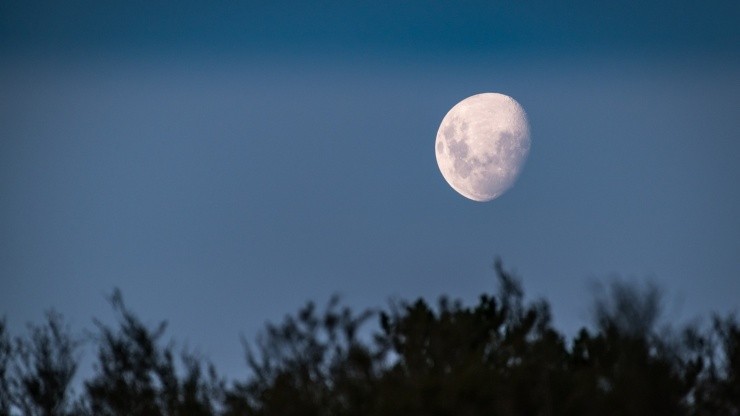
(482, 144)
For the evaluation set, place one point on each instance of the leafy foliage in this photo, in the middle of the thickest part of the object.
(499, 356)
(41, 370)
(5, 357)
(135, 375)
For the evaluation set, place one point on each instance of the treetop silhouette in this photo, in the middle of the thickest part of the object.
(500, 356)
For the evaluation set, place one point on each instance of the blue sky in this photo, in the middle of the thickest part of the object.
(223, 164)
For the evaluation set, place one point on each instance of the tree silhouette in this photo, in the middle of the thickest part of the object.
(42, 369)
(5, 358)
(309, 365)
(499, 356)
(718, 389)
(135, 375)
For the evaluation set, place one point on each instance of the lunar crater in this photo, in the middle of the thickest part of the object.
(458, 148)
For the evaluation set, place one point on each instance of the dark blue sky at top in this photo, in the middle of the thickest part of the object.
(415, 27)
(224, 162)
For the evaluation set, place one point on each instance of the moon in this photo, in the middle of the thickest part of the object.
(482, 144)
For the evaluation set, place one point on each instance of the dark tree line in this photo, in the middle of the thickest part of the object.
(501, 356)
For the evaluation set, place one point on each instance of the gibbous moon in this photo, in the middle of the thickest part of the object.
(482, 144)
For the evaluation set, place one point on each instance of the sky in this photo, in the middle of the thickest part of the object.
(222, 163)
